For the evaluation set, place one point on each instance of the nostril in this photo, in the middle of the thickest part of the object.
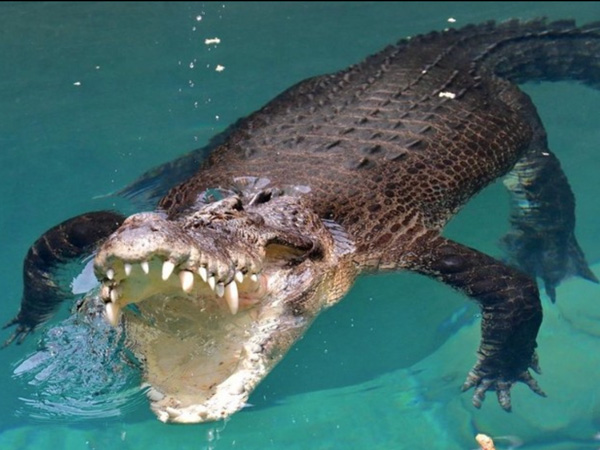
(261, 197)
(238, 206)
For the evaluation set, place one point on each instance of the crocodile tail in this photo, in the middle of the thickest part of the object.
(541, 51)
(42, 293)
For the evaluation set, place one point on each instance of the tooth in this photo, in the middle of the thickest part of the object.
(231, 297)
(105, 292)
(167, 270)
(203, 273)
(127, 268)
(220, 290)
(113, 313)
(114, 295)
(254, 278)
(110, 274)
(239, 276)
(145, 267)
(212, 282)
(187, 280)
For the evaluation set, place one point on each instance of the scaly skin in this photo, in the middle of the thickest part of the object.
(344, 174)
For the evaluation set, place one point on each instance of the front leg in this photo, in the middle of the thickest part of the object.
(511, 314)
(42, 292)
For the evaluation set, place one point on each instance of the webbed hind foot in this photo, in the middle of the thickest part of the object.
(542, 240)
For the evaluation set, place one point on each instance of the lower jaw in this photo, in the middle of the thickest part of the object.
(199, 365)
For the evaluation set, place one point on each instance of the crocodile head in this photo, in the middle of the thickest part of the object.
(211, 300)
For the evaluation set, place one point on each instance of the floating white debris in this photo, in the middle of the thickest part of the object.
(220, 68)
(77, 83)
(214, 40)
(451, 19)
(198, 18)
(447, 94)
(192, 65)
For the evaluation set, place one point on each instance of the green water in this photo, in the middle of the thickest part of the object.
(93, 94)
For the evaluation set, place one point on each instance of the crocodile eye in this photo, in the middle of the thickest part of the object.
(284, 253)
(213, 195)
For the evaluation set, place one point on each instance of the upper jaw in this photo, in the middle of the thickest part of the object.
(179, 264)
(147, 235)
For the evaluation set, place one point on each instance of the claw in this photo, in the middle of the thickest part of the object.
(550, 291)
(472, 380)
(535, 364)
(18, 335)
(533, 385)
(479, 394)
(503, 393)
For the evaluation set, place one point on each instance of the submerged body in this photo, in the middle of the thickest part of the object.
(354, 172)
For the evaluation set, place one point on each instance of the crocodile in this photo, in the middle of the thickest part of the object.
(341, 175)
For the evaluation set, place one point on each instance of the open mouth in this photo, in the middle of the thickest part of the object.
(204, 335)
(131, 282)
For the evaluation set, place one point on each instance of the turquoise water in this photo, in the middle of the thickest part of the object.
(91, 95)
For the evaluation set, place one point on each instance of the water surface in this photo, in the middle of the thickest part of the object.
(93, 94)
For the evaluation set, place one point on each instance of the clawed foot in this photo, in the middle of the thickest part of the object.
(19, 334)
(484, 381)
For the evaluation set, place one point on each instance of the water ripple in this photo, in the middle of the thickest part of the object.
(80, 371)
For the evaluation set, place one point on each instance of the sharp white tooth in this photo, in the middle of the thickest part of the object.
(232, 298)
(167, 270)
(127, 268)
(254, 278)
(113, 313)
(239, 276)
(145, 267)
(105, 292)
(114, 295)
(203, 273)
(187, 280)
(110, 274)
(212, 283)
(220, 290)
